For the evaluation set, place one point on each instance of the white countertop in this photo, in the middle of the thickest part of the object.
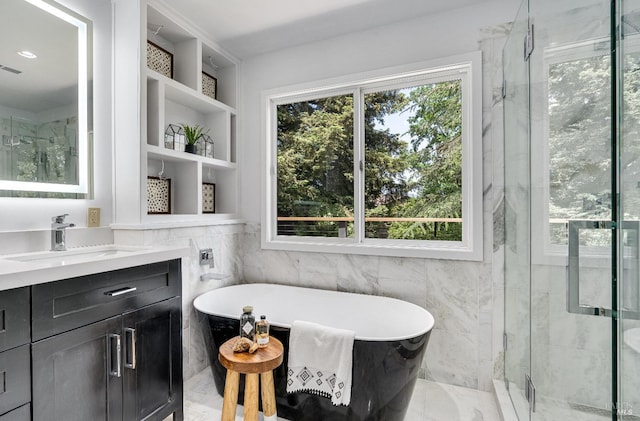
(39, 267)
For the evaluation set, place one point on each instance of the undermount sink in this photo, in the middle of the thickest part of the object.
(70, 256)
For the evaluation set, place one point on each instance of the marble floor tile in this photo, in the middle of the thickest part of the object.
(549, 409)
(431, 401)
(453, 403)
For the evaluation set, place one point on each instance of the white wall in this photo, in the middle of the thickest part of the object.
(35, 214)
(421, 39)
(464, 348)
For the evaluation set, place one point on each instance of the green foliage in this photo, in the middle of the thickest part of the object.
(193, 133)
(579, 143)
(437, 116)
(315, 156)
(420, 178)
(579, 136)
(386, 155)
(436, 129)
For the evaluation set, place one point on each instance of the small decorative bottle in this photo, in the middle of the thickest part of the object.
(247, 323)
(262, 332)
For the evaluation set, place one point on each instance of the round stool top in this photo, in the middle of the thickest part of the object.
(261, 361)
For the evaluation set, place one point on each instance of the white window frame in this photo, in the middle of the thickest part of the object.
(468, 69)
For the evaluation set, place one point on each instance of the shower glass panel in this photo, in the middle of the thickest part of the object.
(564, 250)
(517, 234)
(628, 24)
(571, 269)
(44, 152)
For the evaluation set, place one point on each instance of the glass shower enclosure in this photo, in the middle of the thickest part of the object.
(38, 151)
(572, 210)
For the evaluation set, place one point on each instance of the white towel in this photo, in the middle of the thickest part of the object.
(320, 361)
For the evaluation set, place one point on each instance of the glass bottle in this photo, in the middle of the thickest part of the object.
(247, 323)
(262, 332)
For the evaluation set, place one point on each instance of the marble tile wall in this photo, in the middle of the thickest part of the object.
(492, 42)
(454, 292)
(466, 298)
(225, 241)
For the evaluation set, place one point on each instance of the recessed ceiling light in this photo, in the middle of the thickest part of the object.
(26, 54)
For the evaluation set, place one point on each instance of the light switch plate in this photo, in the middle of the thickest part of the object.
(93, 217)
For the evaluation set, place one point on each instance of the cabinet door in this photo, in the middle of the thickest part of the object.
(76, 375)
(19, 414)
(15, 378)
(152, 358)
(15, 318)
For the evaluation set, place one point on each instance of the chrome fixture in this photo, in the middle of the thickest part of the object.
(58, 231)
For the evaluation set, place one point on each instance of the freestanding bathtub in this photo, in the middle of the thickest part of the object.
(390, 342)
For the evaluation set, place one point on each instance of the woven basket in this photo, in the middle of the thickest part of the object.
(159, 60)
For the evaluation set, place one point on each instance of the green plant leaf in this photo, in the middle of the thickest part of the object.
(193, 133)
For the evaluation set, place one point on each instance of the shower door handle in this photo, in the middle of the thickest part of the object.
(573, 284)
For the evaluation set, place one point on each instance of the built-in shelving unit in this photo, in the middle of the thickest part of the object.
(179, 99)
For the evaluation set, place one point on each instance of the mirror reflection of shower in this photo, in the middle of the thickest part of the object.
(39, 151)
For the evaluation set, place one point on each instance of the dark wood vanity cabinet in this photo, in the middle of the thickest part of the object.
(71, 375)
(152, 373)
(15, 356)
(108, 346)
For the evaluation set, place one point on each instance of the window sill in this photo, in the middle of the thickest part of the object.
(436, 250)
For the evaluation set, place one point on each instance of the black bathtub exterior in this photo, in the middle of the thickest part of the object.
(384, 376)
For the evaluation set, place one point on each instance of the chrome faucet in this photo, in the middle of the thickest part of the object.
(58, 231)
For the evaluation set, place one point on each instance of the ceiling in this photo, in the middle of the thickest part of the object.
(243, 27)
(48, 81)
(251, 27)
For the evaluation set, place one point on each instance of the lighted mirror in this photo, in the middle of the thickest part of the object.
(45, 107)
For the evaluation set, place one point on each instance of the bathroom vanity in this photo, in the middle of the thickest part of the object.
(97, 345)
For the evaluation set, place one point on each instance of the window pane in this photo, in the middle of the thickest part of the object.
(579, 154)
(413, 163)
(315, 167)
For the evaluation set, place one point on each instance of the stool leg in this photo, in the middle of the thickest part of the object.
(230, 400)
(268, 396)
(251, 397)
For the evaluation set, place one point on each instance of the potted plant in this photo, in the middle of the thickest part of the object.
(192, 135)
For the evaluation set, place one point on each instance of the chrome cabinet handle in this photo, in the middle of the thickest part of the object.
(120, 291)
(130, 355)
(115, 349)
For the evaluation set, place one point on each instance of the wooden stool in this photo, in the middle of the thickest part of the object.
(260, 363)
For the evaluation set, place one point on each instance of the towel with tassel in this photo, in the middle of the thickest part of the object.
(320, 361)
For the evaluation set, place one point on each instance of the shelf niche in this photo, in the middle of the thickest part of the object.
(180, 100)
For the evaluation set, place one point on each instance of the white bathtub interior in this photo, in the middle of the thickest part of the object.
(371, 317)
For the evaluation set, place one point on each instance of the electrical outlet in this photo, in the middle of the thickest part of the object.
(93, 217)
